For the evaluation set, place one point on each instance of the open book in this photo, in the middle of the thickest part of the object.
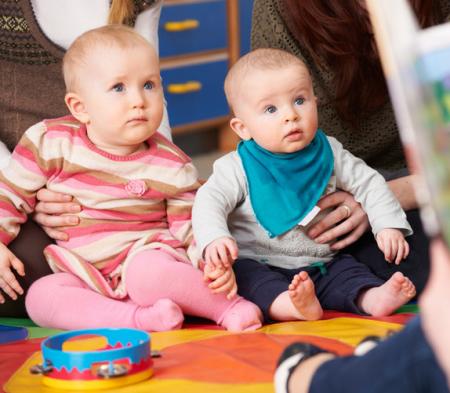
(416, 64)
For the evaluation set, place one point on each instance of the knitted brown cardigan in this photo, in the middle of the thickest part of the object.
(376, 140)
(31, 82)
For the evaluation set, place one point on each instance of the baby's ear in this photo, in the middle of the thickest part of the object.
(238, 126)
(76, 107)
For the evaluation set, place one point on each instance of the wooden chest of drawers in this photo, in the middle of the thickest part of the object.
(198, 40)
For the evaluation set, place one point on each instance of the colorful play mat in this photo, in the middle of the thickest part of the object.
(202, 357)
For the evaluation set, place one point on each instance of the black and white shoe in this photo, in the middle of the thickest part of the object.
(289, 360)
(367, 344)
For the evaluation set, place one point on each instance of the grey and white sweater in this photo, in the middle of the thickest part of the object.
(222, 208)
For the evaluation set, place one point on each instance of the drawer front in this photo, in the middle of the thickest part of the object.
(245, 20)
(195, 93)
(192, 28)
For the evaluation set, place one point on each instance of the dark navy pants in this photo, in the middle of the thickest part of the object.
(416, 266)
(404, 363)
(337, 289)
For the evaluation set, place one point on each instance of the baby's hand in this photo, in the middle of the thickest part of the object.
(221, 252)
(222, 280)
(393, 244)
(8, 281)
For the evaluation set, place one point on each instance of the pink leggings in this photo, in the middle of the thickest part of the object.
(160, 291)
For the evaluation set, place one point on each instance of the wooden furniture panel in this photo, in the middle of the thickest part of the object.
(199, 40)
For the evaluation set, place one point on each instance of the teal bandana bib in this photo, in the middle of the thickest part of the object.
(285, 187)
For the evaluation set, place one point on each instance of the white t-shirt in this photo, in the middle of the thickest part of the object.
(64, 20)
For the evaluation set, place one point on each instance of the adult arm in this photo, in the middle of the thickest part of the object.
(5, 156)
(357, 179)
(403, 189)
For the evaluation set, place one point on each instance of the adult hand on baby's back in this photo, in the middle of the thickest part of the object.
(53, 211)
(8, 281)
(347, 221)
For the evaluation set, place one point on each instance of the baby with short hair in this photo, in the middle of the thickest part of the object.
(129, 261)
(252, 215)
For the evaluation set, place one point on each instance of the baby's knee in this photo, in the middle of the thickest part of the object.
(42, 295)
(36, 301)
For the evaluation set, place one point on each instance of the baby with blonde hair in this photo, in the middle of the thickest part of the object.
(251, 218)
(130, 262)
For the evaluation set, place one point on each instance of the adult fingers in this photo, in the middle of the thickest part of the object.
(357, 218)
(334, 199)
(6, 288)
(11, 282)
(55, 221)
(45, 195)
(351, 238)
(17, 264)
(57, 207)
(326, 223)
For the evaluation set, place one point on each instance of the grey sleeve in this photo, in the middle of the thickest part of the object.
(216, 199)
(369, 189)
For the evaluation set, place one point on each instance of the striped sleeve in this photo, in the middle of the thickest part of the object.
(25, 174)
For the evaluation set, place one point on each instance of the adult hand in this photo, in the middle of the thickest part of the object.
(53, 211)
(348, 221)
(434, 305)
(8, 281)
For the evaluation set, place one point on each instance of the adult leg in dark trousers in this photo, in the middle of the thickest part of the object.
(416, 266)
(28, 247)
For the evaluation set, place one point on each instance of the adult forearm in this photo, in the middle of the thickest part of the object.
(403, 189)
(5, 155)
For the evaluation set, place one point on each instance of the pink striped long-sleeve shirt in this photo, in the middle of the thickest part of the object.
(129, 203)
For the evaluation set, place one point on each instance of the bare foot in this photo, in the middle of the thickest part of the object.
(303, 297)
(384, 300)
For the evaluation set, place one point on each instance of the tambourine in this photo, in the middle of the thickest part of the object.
(125, 360)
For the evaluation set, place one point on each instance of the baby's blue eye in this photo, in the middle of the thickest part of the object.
(148, 85)
(271, 109)
(118, 87)
(299, 101)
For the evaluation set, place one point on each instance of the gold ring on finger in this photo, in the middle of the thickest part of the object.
(347, 209)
